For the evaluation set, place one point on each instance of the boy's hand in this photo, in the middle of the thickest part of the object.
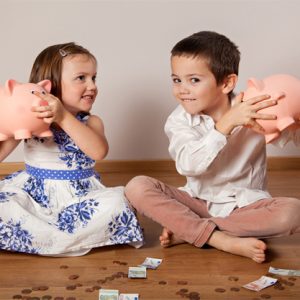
(245, 113)
(53, 112)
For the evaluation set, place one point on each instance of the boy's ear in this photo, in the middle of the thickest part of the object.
(229, 83)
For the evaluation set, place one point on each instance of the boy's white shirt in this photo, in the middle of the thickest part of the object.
(227, 172)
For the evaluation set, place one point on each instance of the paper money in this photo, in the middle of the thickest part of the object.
(108, 294)
(129, 297)
(137, 272)
(151, 263)
(284, 272)
(260, 284)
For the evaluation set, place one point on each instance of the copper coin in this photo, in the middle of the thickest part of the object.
(73, 277)
(17, 296)
(78, 284)
(235, 289)
(233, 278)
(292, 278)
(123, 263)
(183, 290)
(265, 296)
(71, 287)
(64, 267)
(220, 290)
(26, 291)
(182, 282)
(194, 295)
(96, 287)
(162, 282)
(43, 288)
(116, 262)
(46, 297)
(71, 298)
(59, 298)
(89, 290)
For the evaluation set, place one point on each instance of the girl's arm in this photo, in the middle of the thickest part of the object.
(6, 147)
(88, 137)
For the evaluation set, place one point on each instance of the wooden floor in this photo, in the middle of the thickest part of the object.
(185, 273)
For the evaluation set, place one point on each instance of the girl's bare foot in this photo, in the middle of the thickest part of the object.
(248, 247)
(167, 238)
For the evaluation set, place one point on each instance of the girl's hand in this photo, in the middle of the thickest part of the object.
(53, 112)
(245, 113)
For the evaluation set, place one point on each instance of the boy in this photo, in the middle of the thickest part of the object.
(224, 203)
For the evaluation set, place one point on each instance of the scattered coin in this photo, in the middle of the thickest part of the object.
(64, 267)
(194, 295)
(46, 297)
(73, 277)
(235, 289)
(265, 296)
(220, 290)
(233, 278)
(292, 278)
(17, 296)
(71, 287)
(26, 291)
(43, 288)
(59, 298)
(162, 282)
(70, 298)
(89, 290)
(182, 282)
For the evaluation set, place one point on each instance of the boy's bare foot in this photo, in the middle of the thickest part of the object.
(248, 247)
(168, 239)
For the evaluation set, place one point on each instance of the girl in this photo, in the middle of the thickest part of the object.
(58, 206)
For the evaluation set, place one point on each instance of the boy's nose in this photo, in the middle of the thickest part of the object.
(92, 85)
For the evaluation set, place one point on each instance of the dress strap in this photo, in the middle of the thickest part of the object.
(59, 174)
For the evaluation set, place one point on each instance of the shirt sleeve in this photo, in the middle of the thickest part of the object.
(286, 136)
(192, 149)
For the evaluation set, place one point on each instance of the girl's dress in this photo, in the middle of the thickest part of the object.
(58, 206)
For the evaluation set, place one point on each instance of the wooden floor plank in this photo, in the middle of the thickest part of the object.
(185, 272)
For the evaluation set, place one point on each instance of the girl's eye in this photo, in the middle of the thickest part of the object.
(43, 92)
(94, 78)
(194, 80)
(176, 80)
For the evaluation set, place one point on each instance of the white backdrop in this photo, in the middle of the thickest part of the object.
(132, 41)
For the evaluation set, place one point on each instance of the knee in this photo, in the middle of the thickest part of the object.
(136, 187)
(290, 217)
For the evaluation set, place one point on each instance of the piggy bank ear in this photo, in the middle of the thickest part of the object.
(46, 84)
(10, 85)
(255, 83)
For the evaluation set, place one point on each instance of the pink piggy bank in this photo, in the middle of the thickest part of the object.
(288, 108)
(16, 118)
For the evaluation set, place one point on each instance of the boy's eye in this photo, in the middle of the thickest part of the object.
(176, 80)
(94, 78)
(81, 77)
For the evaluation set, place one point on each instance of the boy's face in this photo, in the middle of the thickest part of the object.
(195, 86)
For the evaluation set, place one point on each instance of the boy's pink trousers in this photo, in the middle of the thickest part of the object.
(189, 219)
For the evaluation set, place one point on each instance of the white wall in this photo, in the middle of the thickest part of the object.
(132, 41)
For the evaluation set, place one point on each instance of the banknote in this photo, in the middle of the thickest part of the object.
(260, 284)
(137, 272)
(284, 272)
(108, 294)
(129, 297)
(151, 263)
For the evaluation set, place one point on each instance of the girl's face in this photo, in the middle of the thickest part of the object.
(78, 83)
(195, 87)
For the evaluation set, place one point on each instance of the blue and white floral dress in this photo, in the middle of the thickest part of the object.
(59, 207)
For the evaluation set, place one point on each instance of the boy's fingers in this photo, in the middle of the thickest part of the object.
(257, 99)
(239, 97)
(264, 116)
(264, 104)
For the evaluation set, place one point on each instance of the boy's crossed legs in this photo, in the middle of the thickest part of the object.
(186, 219)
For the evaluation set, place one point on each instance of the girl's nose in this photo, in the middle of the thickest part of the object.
(92, 85)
